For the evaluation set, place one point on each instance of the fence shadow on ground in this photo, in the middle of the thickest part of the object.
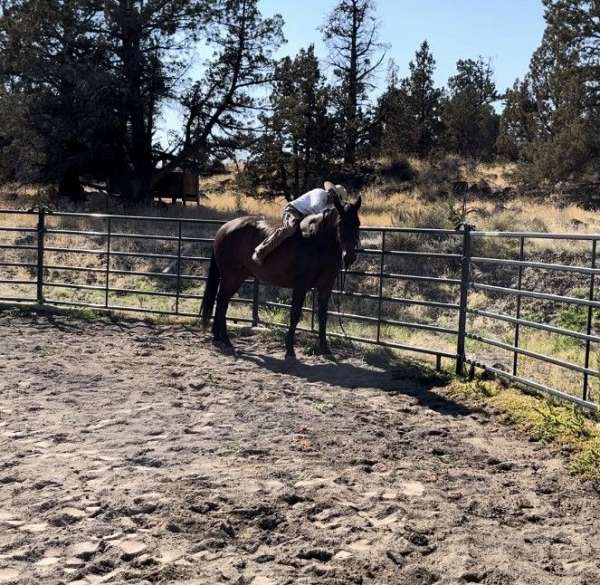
(351, 376)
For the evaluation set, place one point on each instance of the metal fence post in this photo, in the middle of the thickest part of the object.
(41, 231)
(464, 293)
(380, 291)
(255, 302)
(178, 290)
(590, 317)
(518, 314)
(108, 244)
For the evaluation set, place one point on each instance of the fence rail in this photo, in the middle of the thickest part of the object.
(34, 251)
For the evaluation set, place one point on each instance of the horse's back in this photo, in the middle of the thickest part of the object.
(236, 239)
(235, 228)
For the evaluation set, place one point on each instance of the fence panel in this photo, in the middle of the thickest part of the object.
(552, 345)
(468, 296)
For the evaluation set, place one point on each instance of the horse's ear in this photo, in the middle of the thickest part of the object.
(338, 203)
(358, 203)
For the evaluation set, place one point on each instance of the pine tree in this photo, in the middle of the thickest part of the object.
(355, 54)
(220, 107)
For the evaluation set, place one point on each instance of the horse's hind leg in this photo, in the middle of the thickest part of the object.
(298, 297)
(228, 286)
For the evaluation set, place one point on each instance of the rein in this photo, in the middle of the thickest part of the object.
(341, 287)
(341, 278)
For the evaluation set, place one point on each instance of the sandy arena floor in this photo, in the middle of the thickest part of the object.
(136, 453)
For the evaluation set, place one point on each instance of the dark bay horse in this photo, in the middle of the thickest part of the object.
(311, 258)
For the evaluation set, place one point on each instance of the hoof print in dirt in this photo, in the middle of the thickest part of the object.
(417, 538)
(420, 576)
(317, 554)
(398, 559)
(131, 549)
(292, 499)
(68, 516)
(269, 522)
(473, 577)
(204, 507)
(85, 550)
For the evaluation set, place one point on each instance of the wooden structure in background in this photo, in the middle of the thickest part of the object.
(184, 185)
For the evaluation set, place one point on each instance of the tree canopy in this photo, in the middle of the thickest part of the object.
(84, 87)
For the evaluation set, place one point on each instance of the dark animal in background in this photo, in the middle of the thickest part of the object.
(311, 258)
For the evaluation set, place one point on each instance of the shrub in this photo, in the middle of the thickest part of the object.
(398, 169)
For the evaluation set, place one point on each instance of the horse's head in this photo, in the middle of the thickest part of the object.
(348, 228)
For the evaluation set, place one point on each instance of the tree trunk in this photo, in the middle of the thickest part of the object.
(70, 186)
(352, 98)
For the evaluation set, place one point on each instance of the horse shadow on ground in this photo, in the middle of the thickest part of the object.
(406, 379)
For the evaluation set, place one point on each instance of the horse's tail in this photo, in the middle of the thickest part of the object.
(210, 292)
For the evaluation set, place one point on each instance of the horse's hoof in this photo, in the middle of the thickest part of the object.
(290, 355)
(224, 346)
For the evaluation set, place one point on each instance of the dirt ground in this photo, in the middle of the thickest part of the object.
(138, 453)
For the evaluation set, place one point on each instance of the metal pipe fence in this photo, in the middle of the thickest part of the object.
(400, 270)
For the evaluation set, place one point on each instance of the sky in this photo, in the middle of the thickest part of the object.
(505, 31)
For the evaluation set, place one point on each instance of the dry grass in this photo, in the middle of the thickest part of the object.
(381, 204)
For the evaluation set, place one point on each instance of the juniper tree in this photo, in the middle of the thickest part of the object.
(468, 114)
(294, 152)
(149, 43)
(55, 80)
(92, 77)
(517, 125)
(424, 101)
(392, 134)
(564, 126)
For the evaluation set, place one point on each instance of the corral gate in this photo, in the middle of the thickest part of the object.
(29, 271)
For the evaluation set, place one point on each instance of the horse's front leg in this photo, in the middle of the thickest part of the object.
(324, 294)
(298, 295)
